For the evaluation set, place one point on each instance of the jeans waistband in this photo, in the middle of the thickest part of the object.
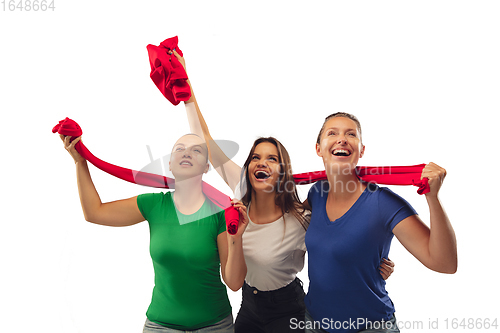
(297, 283)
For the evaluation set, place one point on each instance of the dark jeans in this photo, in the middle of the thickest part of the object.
(271, 311)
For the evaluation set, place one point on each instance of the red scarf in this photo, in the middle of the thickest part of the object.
(400, 175)
(167, 72)
(70, 127)
(388, 175)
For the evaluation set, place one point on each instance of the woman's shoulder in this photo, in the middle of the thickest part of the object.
(154, 198)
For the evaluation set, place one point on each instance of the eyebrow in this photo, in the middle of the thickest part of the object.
(193, 146)
(270, 155)
(336, 128)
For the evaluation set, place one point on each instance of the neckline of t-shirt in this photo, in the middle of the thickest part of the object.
(260, 224)
(363, 195)
(181, 213)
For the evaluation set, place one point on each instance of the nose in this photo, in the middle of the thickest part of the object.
(186, 153)
(261, 163)
(341, 139)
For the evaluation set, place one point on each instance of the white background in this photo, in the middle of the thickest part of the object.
(422, 77)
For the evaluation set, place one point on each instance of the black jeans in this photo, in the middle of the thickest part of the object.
(271, 311)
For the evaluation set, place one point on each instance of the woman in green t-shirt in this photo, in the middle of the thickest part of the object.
(189, 244)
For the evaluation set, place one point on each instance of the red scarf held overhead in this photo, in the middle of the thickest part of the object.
(388, 175)
(70, 127)
(167, 72)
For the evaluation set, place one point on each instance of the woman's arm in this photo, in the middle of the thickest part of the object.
(227, 169)
(117, 213)
(233, 266)
(435, 247)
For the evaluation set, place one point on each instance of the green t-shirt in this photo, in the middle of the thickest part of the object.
(188, 292)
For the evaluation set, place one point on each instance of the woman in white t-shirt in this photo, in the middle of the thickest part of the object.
(273, 240)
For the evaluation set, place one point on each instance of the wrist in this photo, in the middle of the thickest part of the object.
(432, 197)
(234, 239)
(80, 161)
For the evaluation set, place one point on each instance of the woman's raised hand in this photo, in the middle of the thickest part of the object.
(436, 175)
(242, 209)
(178, 56)
(70, 147)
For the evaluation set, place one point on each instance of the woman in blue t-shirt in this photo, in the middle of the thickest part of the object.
(352, 225)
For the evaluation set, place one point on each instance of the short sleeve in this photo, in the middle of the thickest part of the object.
(313, 189)
(222, 223)
(318, 190)
(146, 202)
(393, 208)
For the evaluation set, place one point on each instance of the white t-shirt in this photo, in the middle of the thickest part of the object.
(274, 252)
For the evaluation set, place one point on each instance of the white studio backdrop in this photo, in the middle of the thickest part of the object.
(422, 77)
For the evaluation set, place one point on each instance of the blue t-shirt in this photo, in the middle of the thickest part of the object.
(344, 258)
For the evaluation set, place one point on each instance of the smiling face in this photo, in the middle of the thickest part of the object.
(340, 144)
(189, 157)
(264, 168)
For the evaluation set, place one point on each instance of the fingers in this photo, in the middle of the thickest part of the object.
(386, 268)
(388, 262)
(177, 55)
(432, 170)
(174, 52)
(435, 175)
(68, 144)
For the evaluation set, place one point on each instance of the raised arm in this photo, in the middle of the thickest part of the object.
(435, 247)
(226, 168)
(116, 213)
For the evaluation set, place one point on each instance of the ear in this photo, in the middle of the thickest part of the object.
(362, 151)
(169, 166)
(318, 150)
(207, 168)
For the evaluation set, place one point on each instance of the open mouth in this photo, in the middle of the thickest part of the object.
(186, 163)
(261, 175)
(341, 152)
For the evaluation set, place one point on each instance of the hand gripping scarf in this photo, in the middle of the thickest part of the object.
(388, 175)
(70, 127)
(167, 72)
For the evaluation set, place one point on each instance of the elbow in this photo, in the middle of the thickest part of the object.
(92, 218)
(88, 217)
(235, 286)
(446, 268)
(451, 269)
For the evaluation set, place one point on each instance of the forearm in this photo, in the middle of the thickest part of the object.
(227, 169)
(442, 240)
(236, 269)
(196, 121)
(89, 198)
